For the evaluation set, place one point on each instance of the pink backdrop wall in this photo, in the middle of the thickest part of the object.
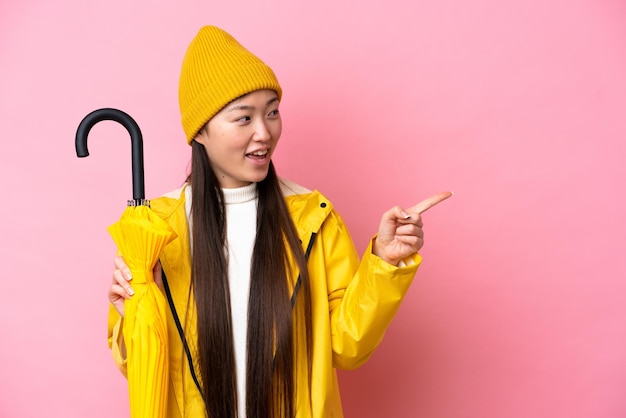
(518, 107)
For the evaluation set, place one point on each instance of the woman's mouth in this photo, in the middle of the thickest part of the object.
(258, 155)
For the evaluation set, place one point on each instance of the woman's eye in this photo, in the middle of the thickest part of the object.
(243, 119)
(274, 113)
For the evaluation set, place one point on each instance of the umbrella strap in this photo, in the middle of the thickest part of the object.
(181, 332)
(296, 288)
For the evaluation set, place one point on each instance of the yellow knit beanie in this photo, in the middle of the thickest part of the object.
(217, 70)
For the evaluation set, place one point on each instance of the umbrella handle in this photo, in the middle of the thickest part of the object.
(135, 138)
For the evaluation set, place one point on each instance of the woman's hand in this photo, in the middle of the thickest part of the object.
(400, 233)
(121, 288)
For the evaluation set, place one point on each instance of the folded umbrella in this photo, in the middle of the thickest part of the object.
(140, 236)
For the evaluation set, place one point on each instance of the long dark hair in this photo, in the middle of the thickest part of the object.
(271, 380)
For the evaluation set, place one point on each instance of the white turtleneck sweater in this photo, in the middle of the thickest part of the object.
(241, 214)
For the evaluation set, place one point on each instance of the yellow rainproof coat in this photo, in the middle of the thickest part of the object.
(352, 303)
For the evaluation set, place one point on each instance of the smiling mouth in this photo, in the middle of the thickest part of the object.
(258, 155)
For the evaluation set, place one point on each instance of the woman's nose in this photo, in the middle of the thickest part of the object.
(261, 131)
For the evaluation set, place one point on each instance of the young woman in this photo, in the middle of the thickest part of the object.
(263, 277)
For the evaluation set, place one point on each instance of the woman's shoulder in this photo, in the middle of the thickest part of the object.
(309, 209)
(297, 195)
(174, 194)
(170, 201)
(289, 188)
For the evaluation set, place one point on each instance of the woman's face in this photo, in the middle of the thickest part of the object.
(241, 138)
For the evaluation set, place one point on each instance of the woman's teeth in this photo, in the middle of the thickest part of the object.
(259, 153)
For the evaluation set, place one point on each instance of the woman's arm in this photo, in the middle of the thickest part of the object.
(364, 297)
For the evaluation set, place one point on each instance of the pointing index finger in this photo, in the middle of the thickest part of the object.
(428, 203)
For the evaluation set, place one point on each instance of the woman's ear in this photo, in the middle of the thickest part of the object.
(201, 136)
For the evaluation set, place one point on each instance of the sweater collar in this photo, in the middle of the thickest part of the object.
(240, 194)
(231, 196)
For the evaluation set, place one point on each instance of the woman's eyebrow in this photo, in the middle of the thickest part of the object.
(249, 107)
(240, 107)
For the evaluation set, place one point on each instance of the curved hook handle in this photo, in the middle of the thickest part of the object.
(135, 138)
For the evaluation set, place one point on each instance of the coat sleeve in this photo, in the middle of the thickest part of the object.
(116, 339)
(363, 297)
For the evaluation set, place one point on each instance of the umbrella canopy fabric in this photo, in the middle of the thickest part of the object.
(140, 236)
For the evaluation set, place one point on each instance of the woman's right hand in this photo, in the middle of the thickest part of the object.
(120, 288)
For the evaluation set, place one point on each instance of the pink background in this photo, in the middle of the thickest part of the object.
(518, 107)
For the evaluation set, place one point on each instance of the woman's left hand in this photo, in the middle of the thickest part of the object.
(400, 233)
